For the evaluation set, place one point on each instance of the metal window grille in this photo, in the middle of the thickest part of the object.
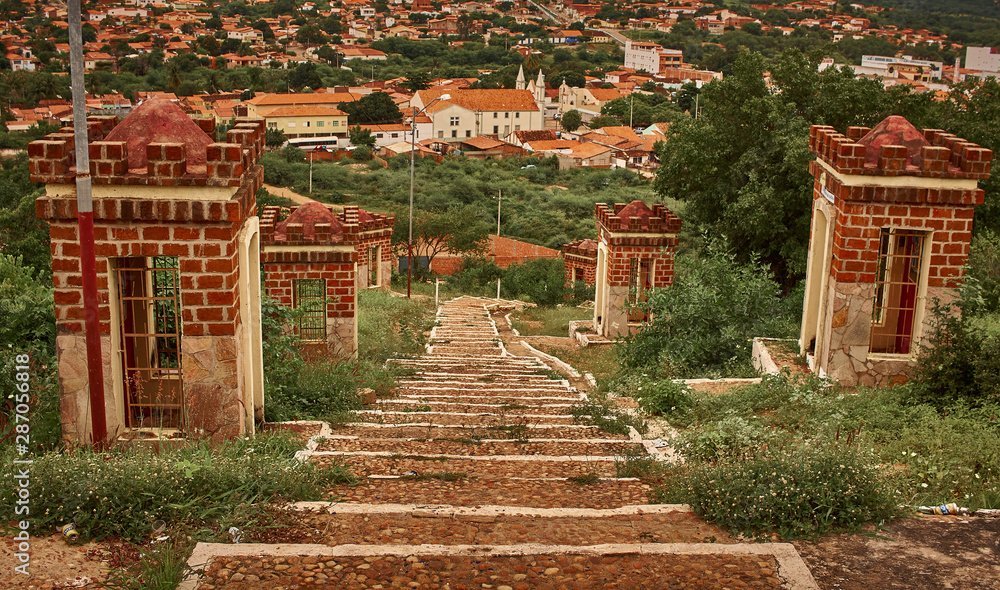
(374, 261)
(310, 303)
(639, 283)
(148, 291)
(897, 289)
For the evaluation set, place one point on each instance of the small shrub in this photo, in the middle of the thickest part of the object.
(661, 397)
(636, 464)
(703, 324)
(960, 361)
(733, 438)
(796, 492)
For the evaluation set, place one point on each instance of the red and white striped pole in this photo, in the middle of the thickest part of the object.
(85, 219)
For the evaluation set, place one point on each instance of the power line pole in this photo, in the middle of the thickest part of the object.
(85, 221)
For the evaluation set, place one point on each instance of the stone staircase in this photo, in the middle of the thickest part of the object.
(476, 476)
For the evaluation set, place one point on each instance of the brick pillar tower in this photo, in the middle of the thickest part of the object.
(580, 262)
(310, 265)
(635, 253)
(373, 241)
(891, 229)
(178, 278)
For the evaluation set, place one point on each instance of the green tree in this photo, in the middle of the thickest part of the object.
(310, 35)
(571, 120)
(274, 138)
(305, 75)
(604, 121)
(374, 109)
(417, 81)
(362, 137)
(21, 234)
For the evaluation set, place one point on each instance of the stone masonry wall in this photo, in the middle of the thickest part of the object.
(281, 269)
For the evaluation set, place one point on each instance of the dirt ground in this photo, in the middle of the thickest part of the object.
(925, 553)
(56, 564)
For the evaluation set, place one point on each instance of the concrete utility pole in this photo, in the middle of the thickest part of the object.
(85, 221)
(409, 239)
(413, 165)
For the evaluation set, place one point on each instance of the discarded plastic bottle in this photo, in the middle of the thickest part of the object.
(950, 509)
(69, 531)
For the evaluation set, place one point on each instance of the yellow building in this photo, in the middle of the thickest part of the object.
(307, 121)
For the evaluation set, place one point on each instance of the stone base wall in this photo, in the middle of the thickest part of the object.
(74, 393)
(211, 371)
(846, 356)
(613, 314)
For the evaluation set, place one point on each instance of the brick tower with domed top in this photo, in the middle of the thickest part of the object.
(635, 253)
(893, 208)
(178, 273)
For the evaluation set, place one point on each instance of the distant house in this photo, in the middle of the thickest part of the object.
(470, 113)
(482, 148)
(501, 250)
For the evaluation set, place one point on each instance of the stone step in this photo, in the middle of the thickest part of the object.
(502, 409)
(512, 389)
(647, 566)
(485, 527)
(575, 431)
(481, 379)
(495, 467)
(475, 397)
(487, 383)
(464, 419)
(472, 447)
(432, 486)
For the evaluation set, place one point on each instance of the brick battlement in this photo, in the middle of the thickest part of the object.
(586, 248)
(367, 221)
(636, 217)
(315, 224)
(52, 159)
(932, 153)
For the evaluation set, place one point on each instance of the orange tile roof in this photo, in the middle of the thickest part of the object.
(306, 111)
(481, 99)
(303, 99)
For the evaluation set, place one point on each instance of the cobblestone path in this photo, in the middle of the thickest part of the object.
(476, 476)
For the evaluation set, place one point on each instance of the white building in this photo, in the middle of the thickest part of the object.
(474, 112)
(984, 59)
(885, 66)
(651, 57)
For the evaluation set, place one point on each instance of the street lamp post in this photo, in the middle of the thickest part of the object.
(413, 167)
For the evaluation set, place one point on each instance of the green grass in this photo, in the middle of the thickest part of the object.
(601, 412)
(600, 361)
(389, 325)
(548, 321)
(929, 456)
(197, 489)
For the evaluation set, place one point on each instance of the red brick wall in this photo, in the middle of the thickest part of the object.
(586, 269)
(622, 250)
(201, 235)
(282, 268)
(863, 211)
